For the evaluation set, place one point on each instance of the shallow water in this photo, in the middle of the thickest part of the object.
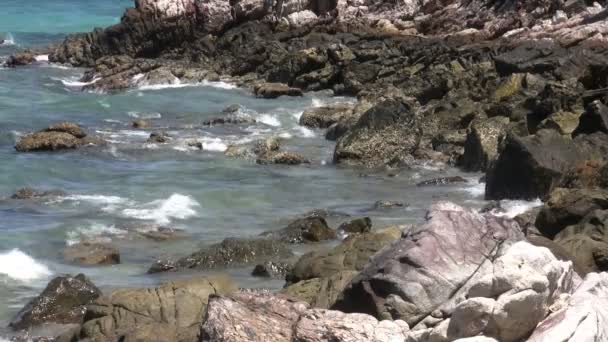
(132, 183)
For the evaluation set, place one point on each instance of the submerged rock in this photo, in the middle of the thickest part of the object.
(171, 312)
(285, 158)
(231, 252)
(274, 90)
(21, 59)
(272, 269)
(442, 181)
(310, 229)
(29, 193)
(356, 226)
(158, 137)
(63, 301)
(87, 253)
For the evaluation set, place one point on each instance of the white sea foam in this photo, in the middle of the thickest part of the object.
(476, 189)
(42, 58)
(513, 208)
(138, 115)
(20, 266)
(108, 203)
(77, 84)
(112, 121)
(177, 206)
(269, 120)
(317, 102)
(285, 135)
(96, 232)
(104, 104)
(9, 39)
(297, 115)
(218, 84)
(305, 132)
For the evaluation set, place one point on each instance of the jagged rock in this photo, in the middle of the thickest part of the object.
(563, 122)
(356, 226)
(162, 233)
(567, 207)
(384, 204)
(67, 127)
(582, 317)
(310, 229)
(231, 252)
(271, 269)
(87, 253)
(403, 282)
(29, 193)
(320, 292)
(352, 254)
(323, 117)
(285, 158)
(47, 141)
(171, 312)
(62, 301)
(442, 181)
(594, 119)
(531, 167)
(21, 59)
(481, 146)
(274, 90)
(158, 137)
(257, 317)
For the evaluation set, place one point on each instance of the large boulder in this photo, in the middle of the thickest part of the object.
(428, 268)
(530, 167)
(582, 318)
(63, 301)
(352, 254)
(260, 317)
(310, 229)
(387, 134)
(231, 252)
(481, 145)
(594, 119)
(320, 292)
(171, 312)
(88, 253)
(567, 207)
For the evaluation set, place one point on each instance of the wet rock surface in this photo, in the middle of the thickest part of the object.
(62, 301)
(87, 253)
(310, 229)
(62, 136)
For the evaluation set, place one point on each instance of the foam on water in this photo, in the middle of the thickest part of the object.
(269, 120)
(477, 189)
(138, 115)
(8, 39)
(177, 206)
(305, 132)
(108, 203)
(96, 232)
(512, 208)
(218, 84)
(214, 145)
(72, 83)
(19, 266)
(42, 58)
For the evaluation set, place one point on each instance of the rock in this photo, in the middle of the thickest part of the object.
(527, 221)
(263, 147)
(20, 59)
(320, 292)
(62, 301)
(356, 226)
(140, 124)
(285, 158)
(581, 318)
(267, 317)
(530, 167)
(171, 312)
(588, 174)
(274, 90)
(594, 119)
(563, 122)
(271, 269)
(228, 121)
(352, 254)
(481, 145)
(47, 141)
(310, 229)
(302, 18)
(509, 87)
(162, 233)
(231, 252)
(387, 134)
(67, 127)
(87, 253)
(383, 204)
(158, 137)
(29, 193)
(442, 181)
(587, 242)
(323, 117)
(567, 207)
(559, 251)
(403, 282)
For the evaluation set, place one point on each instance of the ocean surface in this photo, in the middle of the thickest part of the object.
(131, 183)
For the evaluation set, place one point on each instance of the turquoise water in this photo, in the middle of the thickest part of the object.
(130, 183)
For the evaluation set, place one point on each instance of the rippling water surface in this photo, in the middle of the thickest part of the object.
(131, 183)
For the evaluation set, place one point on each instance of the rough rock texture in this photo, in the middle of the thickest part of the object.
(59, 136)
(92, 254)
(481, 146)
(403, 282)
(172, 312)
(442, 181)
(274, 90)
(311, 229)
(29, 193)
(320, 292)
(62, 301)
(272, 269)
(264, 317)
(229, 253)
(356, 226)
(352, 254)
(323, 117)
(583, 317)
(531, 167)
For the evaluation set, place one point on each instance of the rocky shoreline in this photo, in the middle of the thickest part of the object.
(516, 90)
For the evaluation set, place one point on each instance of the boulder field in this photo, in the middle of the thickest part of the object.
(459, 276)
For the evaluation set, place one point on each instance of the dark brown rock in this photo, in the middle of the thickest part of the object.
(271, 269)
(356, 226)
(47, 141)
(442, 181)
(310, 229)
(323, 117)
(88, 253)
(274, 90)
